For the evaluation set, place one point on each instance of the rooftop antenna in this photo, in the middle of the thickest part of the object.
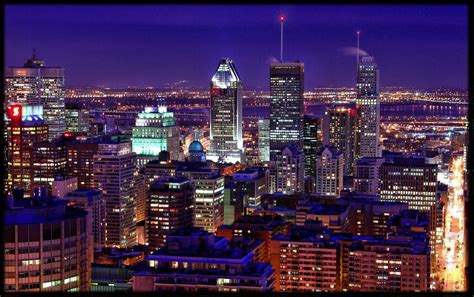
(358, 37)
(282, 20)
(34, 53)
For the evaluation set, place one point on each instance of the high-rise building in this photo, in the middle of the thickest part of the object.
(93, 202)
(339, 131)
(368, 109)
(409, 180)
(329, 172)
(234, 201)
(170, 206)
(47, 246)
(289, 169)
(264, 140)
(155, 131)
(209, 202)
(311, 144)
(199, 261)
(25, 127)
(367, 175)
(62, 186)
(114, 169)
(286, 106)
(80, 162)
(226, 114)
(36, 84)
(77, 119)
(49, 162)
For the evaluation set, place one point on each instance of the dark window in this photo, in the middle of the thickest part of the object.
(22, 233)
(9, 234)
(46, 231)
(73, 228)
(57, 230)
(67, 228)
(34, 232)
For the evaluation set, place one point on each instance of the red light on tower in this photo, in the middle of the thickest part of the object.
(282, 19)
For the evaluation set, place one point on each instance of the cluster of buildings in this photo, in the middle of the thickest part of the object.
(323, 209)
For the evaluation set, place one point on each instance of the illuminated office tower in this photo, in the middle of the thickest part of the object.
(410, 180)
(329, 169)
(80, 162)
(311, 144)
(47, 246)
(264, 140)
(289, 167)
(77, 119)
(226, 114)
(209, 202)
(339, 132)
(49, 162)
(286, 106)
(367, 175)
(114, 169)
(25, 127)
(368, 109)
(36, 84)
(155, 131)
(170, 206)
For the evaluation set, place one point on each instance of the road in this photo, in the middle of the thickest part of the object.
(452, 255)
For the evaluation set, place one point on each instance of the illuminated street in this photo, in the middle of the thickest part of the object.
(452, 274)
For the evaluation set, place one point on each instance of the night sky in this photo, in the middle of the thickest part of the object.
(420, 46)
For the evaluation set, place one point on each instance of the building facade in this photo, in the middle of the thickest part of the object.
(367, 175)
(409, 180)
(311, 145)
(47, 246)
(264, 140)
(289, 169)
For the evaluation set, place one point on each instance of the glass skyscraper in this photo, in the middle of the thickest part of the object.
(287, 106)
(36, 84)
(368, 109)
(226, 114)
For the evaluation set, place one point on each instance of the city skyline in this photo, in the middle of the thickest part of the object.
(413, 48)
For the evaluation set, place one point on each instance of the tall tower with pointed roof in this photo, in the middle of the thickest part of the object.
(226, 114)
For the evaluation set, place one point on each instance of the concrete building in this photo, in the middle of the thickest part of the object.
(93, 202)
(289, 170)
(329, 172)
(114, 170)
(367, 175)
(197, 261)
(47, 246)
(63, 186)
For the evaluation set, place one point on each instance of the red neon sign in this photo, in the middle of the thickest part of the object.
(15, 112)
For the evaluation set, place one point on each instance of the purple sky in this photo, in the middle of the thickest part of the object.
(421, 46)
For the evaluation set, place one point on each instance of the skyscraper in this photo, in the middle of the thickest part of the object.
(114, 169)
(286, 106)
(25, 127)
(311, 144)
(155, 131)
(264, 140)
(49, 162)
(36, 84)
(77, 119)
(226, 114)
(339, 132)
(368, 109)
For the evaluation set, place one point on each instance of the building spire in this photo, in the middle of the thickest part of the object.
(358, 37)
(34, 53)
